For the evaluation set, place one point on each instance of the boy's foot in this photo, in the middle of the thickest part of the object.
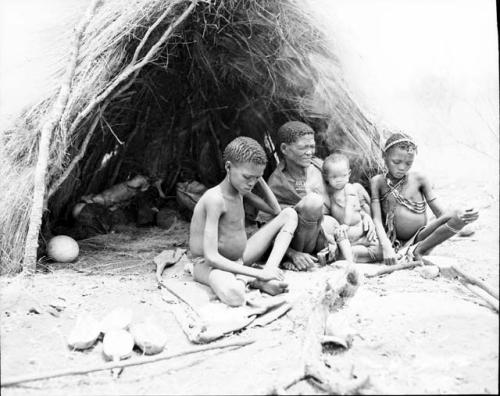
(289, 266)
(272, 287)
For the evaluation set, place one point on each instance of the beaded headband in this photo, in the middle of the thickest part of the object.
(402, 140)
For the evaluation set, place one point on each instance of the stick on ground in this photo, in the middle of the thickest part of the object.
(132, 362)
(474, 281)
(397, 267)
(493, 303)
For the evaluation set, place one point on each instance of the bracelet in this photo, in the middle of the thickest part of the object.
(454, 230)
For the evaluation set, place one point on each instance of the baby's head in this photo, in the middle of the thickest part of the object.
(399, 153)
(336, 170)
(244, 161)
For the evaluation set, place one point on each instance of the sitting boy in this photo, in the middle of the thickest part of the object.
(400, 197)
(349, 205)
(218, 244)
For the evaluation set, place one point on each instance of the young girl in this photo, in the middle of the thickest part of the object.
(399, 203)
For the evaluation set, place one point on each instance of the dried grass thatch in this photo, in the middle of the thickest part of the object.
(161, 86)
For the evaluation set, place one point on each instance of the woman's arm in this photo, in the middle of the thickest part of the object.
(269, 203)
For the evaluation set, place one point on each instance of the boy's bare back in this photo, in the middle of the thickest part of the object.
(229, 215)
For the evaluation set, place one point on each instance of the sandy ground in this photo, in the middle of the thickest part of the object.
(411, 335)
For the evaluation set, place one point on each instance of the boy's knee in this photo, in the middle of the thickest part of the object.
(290, 216)
(233, 294)
(311, 206)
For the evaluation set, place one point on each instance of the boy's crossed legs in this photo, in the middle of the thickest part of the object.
(230, 288)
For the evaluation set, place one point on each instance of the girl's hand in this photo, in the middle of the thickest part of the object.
(389, 255)
(268, 274)
(469, 215)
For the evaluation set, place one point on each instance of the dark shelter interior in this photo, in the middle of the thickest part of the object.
(160, 90)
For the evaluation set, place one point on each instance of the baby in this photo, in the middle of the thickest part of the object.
(349, 204)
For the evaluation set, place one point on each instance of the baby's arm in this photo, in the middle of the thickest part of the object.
(387, 250)
(269, 204)
(351, 202)
(364, 199)
(214, 210)
(366, 213)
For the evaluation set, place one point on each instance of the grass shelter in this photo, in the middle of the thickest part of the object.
(159, 87)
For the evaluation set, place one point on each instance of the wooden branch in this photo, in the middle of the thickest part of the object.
(31, 245)
(132, 68)
(148, 33)
(55, 186)
(272, 315)
(138, 125)
(397, 267)
(343, 283)
(78, 157)
(475, 281)
(492, 302)
(107, 366)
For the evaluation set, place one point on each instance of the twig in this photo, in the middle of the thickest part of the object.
(475, 281)
(480, 293)
(397, 267)
(106, 366)
(344, 283)
(39, 191)
(111, 130)
(132, 69)
(79, 156)
(272, 315)
(148, 33)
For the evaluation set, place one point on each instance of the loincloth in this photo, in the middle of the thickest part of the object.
(202, 267)
(403, 246)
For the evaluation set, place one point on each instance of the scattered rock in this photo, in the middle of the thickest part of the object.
(85, 332)
(149, 337)
(428, 271)
(119, 318)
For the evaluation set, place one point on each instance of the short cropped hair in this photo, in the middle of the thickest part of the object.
(400, 140)
(291, 131)
(244, 149)
(335, 158)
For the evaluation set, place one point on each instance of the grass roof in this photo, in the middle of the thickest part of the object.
(161, 86)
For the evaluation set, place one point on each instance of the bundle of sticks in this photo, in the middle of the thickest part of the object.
(342, 284)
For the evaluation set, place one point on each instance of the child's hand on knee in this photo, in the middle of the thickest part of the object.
(303, 261)
(268, 274)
